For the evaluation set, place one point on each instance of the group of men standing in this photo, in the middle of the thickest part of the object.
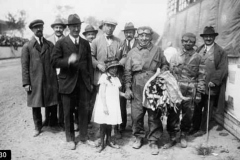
(80, 63)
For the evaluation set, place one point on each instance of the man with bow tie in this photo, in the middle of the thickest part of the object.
(38, 76)
(72, 54)
(141, 64)
(102, 48)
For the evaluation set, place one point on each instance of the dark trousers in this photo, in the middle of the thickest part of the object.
(187, 108)
(123, 105)
(173, 121)
(37, 118)
(92, 102)
(154, 123)
(51, 116)
(60, 112)
(81, 97)
(201, 111)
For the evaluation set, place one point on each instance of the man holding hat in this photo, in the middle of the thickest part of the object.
(141, 64)
(104, 47)
(72, 55)
(90, 33)
(215, 67)
(185, 66)
(58, 26)
(38, 76)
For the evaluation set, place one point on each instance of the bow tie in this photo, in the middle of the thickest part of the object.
(110, 37)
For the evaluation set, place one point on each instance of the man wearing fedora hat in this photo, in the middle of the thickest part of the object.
(90, 33)
(58, 27)
(104, 47)
(215, 67)
(72, 54)
(38, 76)
(126, 45)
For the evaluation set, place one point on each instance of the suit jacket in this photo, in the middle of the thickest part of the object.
(101, 50)
(52, 38)
(39, 73)
(220, 76)
(69, 74)
(124, 49)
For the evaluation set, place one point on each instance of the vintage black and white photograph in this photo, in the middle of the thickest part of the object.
(119, 79)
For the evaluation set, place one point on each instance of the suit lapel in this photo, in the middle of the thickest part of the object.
(71, 46)
(36, 45)
(44, 47)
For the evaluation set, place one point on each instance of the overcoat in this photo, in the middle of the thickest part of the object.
(220, 76)
(38, 72)
(69, 74)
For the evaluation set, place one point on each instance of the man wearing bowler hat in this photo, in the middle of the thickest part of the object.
(90, 33)
(102, 48)
(72, 55)
(58, 27)
(215, 68)
(38, 76)
(126, 45)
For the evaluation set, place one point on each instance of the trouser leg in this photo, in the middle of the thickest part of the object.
(173, 122)
(47, 116)
(186, 116)
(68, 109)
(60, 112)
(197, 115)
(154, 125)
(53, 115)
(92, 102)
(37, 118)
(205, 111)
(123, 103)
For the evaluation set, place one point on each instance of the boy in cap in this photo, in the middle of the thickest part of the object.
(141, 64)
(72, 55)
(38, 77)
(90, 33)
(215, 68)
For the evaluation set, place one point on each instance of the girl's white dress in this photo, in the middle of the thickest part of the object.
(112, 101)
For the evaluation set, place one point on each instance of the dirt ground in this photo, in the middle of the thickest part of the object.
(16, 133)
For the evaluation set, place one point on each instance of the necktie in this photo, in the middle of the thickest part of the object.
(76, 43)
(128, 45)
(110, 37)
(41, 44)
(205, 51)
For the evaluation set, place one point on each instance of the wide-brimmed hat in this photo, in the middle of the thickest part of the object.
(110, 21)
(208, 30)
(74, 19)
(36, 22)
(111, 62)
(89, 28)
(129, 26)
(58, 21)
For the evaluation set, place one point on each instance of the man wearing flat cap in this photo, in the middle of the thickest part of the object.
(215, 68)
(72, 54)
(126, 45)
(141, 64)
(102, 48)
(185, 66)
(38, 76)
(90, 33)
(58, 27)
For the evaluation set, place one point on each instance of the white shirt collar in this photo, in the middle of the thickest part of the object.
(73, 39)
(57, 38)
(208, 47)
(109, 41)
(131, 42)
(37, 38)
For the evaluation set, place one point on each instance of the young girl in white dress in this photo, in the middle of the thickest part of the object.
(107, 110)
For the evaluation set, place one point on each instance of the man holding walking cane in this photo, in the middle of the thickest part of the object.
(215, 67)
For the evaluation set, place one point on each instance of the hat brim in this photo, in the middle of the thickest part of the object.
(69, 24)
(96, 31)
(113, 65)
(214, 34)
(64, 25)
(130, 29)
(36, 24)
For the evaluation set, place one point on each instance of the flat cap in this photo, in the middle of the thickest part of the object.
(36, 22)
(110, 21)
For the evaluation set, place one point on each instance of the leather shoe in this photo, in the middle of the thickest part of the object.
(36, 133)
(192, 131)
(170, 144)
(154, 148)
(183, 142)
(70, 145)
(138, 143)
(199, 134)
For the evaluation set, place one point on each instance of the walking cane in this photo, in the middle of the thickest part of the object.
(208, 114)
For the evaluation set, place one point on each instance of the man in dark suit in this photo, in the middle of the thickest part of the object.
(38, 76)
(58, 26)
(72, 55)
